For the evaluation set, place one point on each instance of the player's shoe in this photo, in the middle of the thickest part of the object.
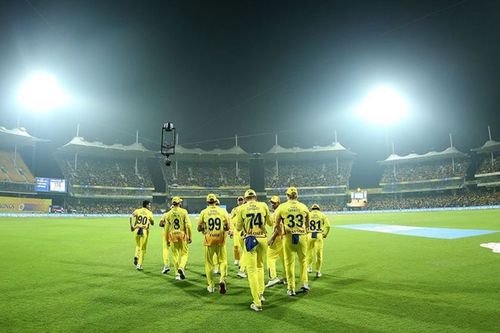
(181, 273)
(284, 281)
(255, 307)
(165, 270)
(305, 287)
(222, 286)
(138, 267)
(216, 271)
(290, 292)
(262, 298)
(273, 282)
(241, 275)
(210, 289)
(236, 262)
(309, 270)
(136, 259)
(318, 274)
(177, 277)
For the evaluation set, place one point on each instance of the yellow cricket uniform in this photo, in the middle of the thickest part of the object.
(318, 226)
(253, 217)
(274, 252)
(295, 218)
(237, 240)
(142, 219)
(214, 218)
(178, 231)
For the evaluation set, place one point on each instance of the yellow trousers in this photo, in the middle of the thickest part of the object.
(255, 269)
(292, 250)
(141, 244)
(274, 252)
(241, 242)
(180, 254)
(166, 250)
(221, 252)
(315, 251)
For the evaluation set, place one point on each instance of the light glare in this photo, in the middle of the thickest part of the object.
(41, 92)
(383, 106)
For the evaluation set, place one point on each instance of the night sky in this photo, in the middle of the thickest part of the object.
(255, 68)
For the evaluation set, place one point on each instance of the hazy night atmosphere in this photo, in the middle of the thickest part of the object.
(336, 166)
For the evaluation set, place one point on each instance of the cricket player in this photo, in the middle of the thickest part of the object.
(253, 216)
(213, 222)
(294, 217)
(319, 227)
(140, 221)
(237, 240)
(178, 230)
(275, 251)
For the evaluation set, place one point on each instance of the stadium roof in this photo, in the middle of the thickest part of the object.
(81, 146)
(233, 153)
(488, 147)
(17, 136)
(320, 152)
(450, 152)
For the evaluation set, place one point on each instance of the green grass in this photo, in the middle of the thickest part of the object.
(70, 275)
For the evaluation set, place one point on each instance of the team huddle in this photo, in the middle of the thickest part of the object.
(297, 232)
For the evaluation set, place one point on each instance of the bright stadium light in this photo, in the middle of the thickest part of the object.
(41, 92)
(383, 106)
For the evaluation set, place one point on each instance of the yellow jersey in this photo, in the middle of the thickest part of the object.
(252, 218)
(294, 215)
(318, 222)
(142, 219)
(177, 224)
(214, 219)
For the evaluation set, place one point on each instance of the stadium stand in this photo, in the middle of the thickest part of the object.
(15, 176)
(488, 173)
(428, 172)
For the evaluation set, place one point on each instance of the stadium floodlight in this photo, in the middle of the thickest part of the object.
(41, 92)
(383, 106)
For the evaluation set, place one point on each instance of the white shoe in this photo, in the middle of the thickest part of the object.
(138, 267)
(241, 275)
(165, 270)
(309, 270)
(284, 281)
(273, 282)
(255, 307)
(305, 287)
(236, 262)
(216, 271)
(210, 289)
(181, 273)
(318, 274)
(177, 277)
(262, 298)
(290, 292)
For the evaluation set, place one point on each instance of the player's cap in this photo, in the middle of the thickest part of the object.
(145, 203)
(292, 191)
(211, 198)
(250, 193)
(275, 199)
(240, 198)
(176, 200)
(315, 206)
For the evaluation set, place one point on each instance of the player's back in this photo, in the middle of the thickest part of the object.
(294, 215)
(143, 218)
(255, 216)
(213, 217)
(317, 221)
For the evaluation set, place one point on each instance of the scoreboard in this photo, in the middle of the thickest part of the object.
(50, 185)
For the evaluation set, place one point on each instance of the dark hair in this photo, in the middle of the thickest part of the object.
(145, 203)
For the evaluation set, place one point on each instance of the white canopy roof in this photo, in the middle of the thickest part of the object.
(450, 152)
(80, 145)
(488, 147)
(17, 136)
(333, 150)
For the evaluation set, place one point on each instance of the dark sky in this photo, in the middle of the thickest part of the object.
(250, 67)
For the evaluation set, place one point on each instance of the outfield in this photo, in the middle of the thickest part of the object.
(76, 274)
